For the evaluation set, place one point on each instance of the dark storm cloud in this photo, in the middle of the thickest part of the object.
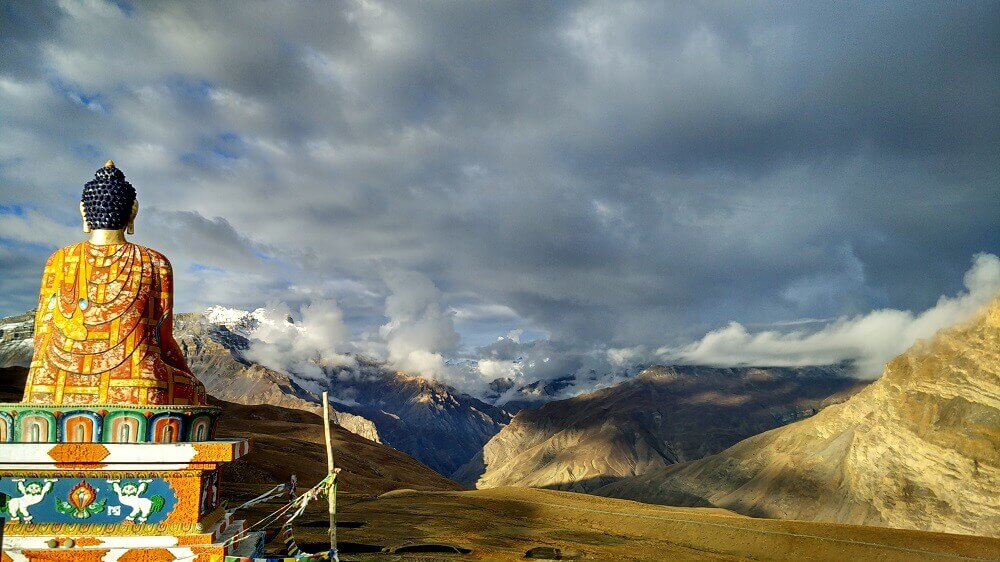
(609, 174)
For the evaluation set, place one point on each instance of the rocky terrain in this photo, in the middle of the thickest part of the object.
(664, 416)
(918, 449)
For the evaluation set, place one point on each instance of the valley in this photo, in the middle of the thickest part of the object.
(663, 416)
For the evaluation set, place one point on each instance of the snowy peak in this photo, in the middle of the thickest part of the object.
(224, 316)
(241, 322)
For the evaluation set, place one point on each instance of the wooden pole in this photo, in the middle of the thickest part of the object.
(332, 496)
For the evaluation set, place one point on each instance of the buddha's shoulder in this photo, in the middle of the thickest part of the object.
(154, 257)
(62, 253)
(151, 255)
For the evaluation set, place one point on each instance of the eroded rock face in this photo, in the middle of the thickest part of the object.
(918, 449)
(663, 416)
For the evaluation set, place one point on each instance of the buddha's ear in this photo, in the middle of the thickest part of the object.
(131, 220)
(83, 215)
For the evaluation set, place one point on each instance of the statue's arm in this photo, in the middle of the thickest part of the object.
(46, 291)
(169, 350)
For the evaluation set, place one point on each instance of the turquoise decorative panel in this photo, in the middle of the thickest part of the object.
(47, 423)
(86, 500)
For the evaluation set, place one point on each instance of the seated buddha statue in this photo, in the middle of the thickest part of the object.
(103, 329)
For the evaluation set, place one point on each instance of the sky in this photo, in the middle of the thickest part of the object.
(526, 189)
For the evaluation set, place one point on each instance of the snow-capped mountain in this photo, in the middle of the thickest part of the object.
(241, 322)
(431, 421)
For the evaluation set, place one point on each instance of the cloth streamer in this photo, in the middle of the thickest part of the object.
(327, 486)
(268, 495)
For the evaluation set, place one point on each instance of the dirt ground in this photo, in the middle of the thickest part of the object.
(505, 523)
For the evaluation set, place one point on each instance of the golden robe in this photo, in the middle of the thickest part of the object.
(104, 331)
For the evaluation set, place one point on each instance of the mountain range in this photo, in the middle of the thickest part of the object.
(918, 449)
(665, 416)
(216, 355)
(428, 420)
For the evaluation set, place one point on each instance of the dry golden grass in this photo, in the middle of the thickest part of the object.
(504, 523)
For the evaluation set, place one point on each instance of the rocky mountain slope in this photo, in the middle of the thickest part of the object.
(16, 345)
(290, 441)
(426, 419)
(214, 353)
(664, 416)
(918, 449)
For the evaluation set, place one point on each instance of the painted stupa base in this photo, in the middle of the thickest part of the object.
(119, 502)
(100, 423)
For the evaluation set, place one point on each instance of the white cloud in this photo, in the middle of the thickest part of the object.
(870, 339)
(35, 228)
(419, 330)
(320, 339)
(492, 369)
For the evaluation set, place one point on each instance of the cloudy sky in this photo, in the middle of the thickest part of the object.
(609, 181)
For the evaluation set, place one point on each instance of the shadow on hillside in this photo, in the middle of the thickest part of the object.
(689, 415)
(12, 381)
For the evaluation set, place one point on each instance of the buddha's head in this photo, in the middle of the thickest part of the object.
(108, 202)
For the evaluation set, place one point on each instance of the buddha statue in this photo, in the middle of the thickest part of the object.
(103, 329)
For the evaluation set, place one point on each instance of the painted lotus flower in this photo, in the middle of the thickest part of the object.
(82, 502)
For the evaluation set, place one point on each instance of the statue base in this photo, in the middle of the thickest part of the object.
(120, 502)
